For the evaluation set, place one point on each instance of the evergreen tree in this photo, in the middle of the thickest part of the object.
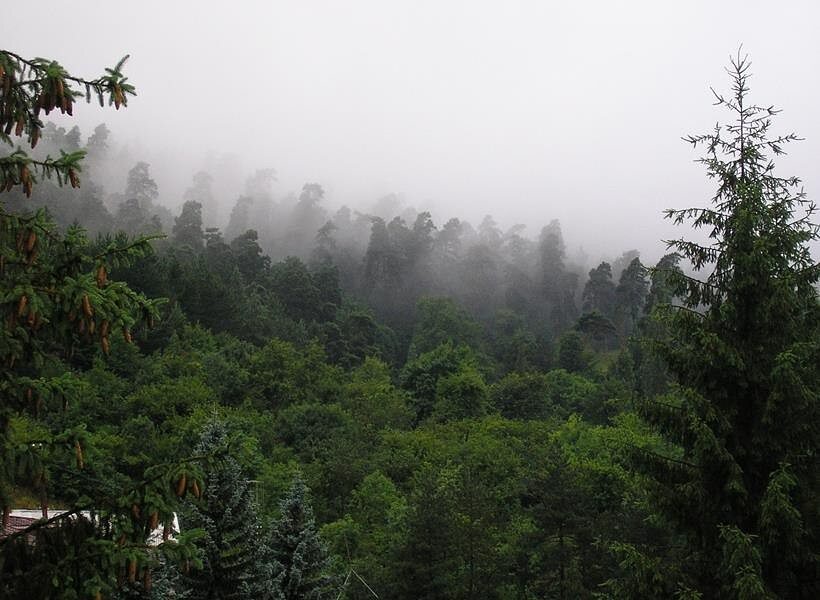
(307, 217)
(188, 226)
(240, 218)
(325, 244)
(201, 192)
(57, 300)
(630, 295)
(599, 330)
(141, 186)
(742, 490)
(427, 561)
(73, 139)
(558, 285)
(97, 144)
(488, 232)
(232, 565)
(662, 288)
(599, 291)
(449, 238)
(131, 217)
(250, 260)
(301, 564)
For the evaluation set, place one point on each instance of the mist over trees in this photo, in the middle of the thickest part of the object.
(367, 402)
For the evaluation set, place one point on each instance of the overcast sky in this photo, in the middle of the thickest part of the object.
(526, 110)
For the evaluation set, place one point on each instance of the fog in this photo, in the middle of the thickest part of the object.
(529, 111)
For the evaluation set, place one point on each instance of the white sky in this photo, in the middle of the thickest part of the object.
(526, 110)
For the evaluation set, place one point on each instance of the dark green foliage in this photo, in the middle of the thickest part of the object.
(669, 455)
(58, 304)
(373, 400)
(206, 297)
(598, 329)
(521, 396)
(232, 565)
(294, 286)
(249, 258)
(439, 321)
(739, 491)
(369, 536)
(131, 217)
(427, 561)
(301, 564)
(188, 226)
(571, 353)
(515, 347)
(461, 395)
(556, 394)
(355, 335)
(31, 566)
(309, 428)
(630, 296)
(281, 374)
(421, 375)
(662, 281)
(599, 291)
(557, 283)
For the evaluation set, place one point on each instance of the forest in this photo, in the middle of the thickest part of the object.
(365, 403)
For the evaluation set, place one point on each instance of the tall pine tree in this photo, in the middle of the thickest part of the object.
(301, 563)
(57, 301)
(742, 488)
(233, 567)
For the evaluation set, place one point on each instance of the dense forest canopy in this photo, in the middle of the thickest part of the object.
(281, 400)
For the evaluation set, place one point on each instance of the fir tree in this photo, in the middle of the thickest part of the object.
(167, 583)
(201, 192)
(56, 299)
(300, 560)
(188, 226)
(630, 295)
(141, 186)
(742, 489)
(232, 566)
(558, 284)
(599, 291)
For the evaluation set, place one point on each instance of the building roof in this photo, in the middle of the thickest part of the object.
(22, 518)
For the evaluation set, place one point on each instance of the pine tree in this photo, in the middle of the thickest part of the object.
(141, 186)
(188, 226)
(742, 489)
(599, 291)
(557, 283)
(301, 563)
(201, 192)
(56, 297)
(630, 295)
(232, 565)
